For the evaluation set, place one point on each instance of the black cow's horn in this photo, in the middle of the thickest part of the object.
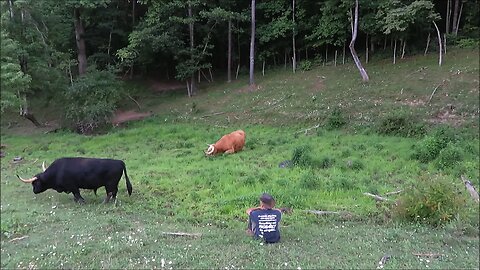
(27, 180)
(43, 166)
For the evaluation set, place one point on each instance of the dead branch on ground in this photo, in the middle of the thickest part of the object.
(383, 261)
(376, 197)
(134, 101)
(182, 234)
(393, 192)
(307, 129)
(212, 114)
(434, 90)
(471, 189)
(18, 238)
(431, 255)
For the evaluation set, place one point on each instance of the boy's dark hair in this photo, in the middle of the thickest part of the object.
(267, 199)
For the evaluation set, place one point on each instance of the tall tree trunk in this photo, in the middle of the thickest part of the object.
(335, 58)
(395, 52)
(403, 47)
(294, 60)
(193, 87)
(448, 15)
(229, 57)
(10, 8)
(363, 72)
(252, 46)
(343, 54)
(459, 17)
(366, 49)
(455, 16)
(439, 44)
(80, 40)
(428, 43)
(134, 2)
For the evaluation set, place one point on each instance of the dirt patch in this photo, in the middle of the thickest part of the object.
(126, 116)
(248, 88)
(161, 86)
(319, 84)
(447, 116)
(413, 103)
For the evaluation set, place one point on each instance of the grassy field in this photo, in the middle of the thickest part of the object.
(345, 138)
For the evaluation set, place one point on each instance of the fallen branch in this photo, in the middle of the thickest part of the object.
(431, 255)
(134, 101)
(182, 234)
(322, 213)
(18, 238)
(434, 90)
(383, 261)
(376, 197)
(213, 114)
(471, 188)
(393, 192)
(308, 129)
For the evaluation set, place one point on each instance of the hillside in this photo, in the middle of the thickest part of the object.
(338, 137)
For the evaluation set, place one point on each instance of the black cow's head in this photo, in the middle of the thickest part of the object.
(38, 182)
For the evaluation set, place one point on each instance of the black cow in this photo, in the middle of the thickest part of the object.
(71, 174)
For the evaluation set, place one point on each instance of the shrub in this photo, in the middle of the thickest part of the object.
(305, 65)
(309, 180)
(432, 200)
(449, 156)
(301, 156)
(91, 101)
(427, 149)
(336, 119)
(400, 124)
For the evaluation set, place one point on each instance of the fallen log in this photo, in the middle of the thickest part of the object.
(376, 197)
(431, 255)
(18, 238)
(471, 189)
(383, 261)
(182, 234)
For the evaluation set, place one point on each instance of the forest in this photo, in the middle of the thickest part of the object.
(79, 52)
(360, 118)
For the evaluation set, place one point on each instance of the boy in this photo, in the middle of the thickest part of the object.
(263, 221)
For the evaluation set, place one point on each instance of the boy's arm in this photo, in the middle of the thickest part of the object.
(250, 210)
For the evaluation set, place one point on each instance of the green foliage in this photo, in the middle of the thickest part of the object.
(400, 124)
(305, 65)
(13, 81)
(301, 156)
(467, 43)
(336, 119)
(432, 199)
(309, 180)
(449, 156)
(91, 101)
(429, 148)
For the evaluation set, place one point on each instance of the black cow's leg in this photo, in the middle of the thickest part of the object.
(108, 197)
(77, 197)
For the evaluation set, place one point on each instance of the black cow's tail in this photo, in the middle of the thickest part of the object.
(129, 185)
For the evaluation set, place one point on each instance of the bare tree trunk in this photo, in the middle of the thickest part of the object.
(428, 43)
(80, 40)
(306, 53)
(294, 60)
(363, 72)
(252, 46)
(193, 88)
(455, 17)
(285, 57)
(395, 52)
(10, 8)
(403, 48)
(326, 54)
(445, 43)
(238, 70)
(439, 44)
(385, 43)
(448, 15)
(343, 55)
(366, 49)
(335, 57)
(458, 21)
(263, 68)
(229, 57)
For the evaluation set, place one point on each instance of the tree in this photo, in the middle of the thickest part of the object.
(363, 72)
(252, 46)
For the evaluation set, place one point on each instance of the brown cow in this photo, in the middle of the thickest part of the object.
(229, 144)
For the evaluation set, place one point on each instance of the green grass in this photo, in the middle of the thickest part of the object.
(177, 188)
